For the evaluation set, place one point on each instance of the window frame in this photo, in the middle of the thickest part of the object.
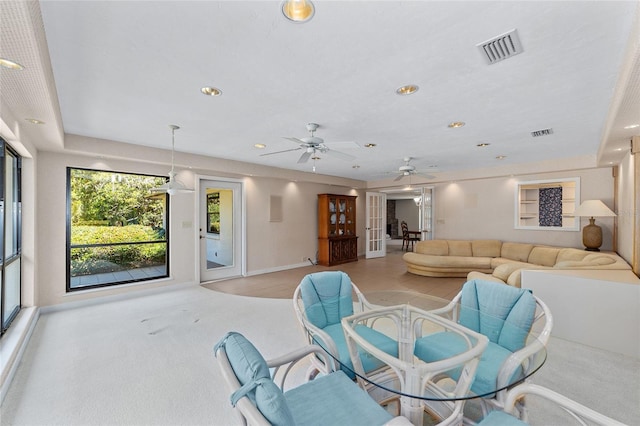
(6, 261)
(69, 247)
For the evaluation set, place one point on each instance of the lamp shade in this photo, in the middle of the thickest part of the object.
(172, 187)
(593, 208)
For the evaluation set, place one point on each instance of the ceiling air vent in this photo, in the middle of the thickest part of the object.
(501, 47)
(543, 132)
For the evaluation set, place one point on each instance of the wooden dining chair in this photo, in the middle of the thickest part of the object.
(407, 236)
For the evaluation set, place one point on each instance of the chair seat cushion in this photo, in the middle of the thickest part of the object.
(500, 418)
(439, 346)
(369, 363)
(334, 400)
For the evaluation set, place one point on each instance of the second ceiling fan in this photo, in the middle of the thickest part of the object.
(311, 146)
(409, 169)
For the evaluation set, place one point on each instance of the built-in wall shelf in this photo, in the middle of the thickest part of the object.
(547, 204)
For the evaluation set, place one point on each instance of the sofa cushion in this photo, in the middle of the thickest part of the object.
(516, 251)
(497, 261)
(432, 247)
(586, 263)
(486, 248)
(567, 254)
(460, 248)
(465, 262)
(545, 256)
(503, 271)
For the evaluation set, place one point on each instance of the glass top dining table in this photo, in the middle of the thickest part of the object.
(405, 316)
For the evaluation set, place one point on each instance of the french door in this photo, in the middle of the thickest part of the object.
(376, 216)
(221, 229)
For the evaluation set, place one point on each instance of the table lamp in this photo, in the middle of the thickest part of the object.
(592, 233)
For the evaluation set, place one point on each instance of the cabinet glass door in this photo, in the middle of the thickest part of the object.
(333, 216)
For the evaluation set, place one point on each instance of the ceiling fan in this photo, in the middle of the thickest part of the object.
(311, 146)
(409, 169)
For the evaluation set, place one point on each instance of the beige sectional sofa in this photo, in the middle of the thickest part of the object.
(500, 261)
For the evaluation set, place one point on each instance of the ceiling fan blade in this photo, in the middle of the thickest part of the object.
(400, 176)
(338, 154)
(304, 157)
(280, 152)
(296, 140)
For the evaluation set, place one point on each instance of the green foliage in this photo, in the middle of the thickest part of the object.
(111, 208)
(93, 260)
(115, 198)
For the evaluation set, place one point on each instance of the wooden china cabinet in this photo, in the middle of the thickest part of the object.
(337, 240)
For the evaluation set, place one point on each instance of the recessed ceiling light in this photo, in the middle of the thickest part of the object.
(10, 64)
(456, 124)
(298, 10)
(483, 144)
(501, 157)
(315, 158)
(632, 126)
(260, 146)
(618, 149)
(355, 166)
(369, 145)
(211, 91)
(34, 121)
(407, 90)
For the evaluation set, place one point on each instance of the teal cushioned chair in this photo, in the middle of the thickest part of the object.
(320, 301)
(331, 399)
(572, 412)
(505, 315)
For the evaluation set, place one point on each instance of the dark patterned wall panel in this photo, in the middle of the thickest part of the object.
(550, 210)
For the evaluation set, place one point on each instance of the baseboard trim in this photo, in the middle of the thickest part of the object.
(278, 269)
(115, 297)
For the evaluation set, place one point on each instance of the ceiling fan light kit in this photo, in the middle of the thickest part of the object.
(173, 186)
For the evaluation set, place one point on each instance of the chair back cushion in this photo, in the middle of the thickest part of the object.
(502, 313)
(252, 372)
(326, 297)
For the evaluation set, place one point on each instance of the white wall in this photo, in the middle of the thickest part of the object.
(408, 211)
(482, 208)
(626, 191)
(269, 246)
(485, 208)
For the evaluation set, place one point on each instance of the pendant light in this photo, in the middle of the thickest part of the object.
(172, 187)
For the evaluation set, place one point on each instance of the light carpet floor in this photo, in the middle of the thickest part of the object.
(149, 361)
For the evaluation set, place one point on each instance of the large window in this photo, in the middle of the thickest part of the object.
(10, 233)
(116, 229)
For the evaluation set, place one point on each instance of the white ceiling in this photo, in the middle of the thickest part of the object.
(126, 70)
